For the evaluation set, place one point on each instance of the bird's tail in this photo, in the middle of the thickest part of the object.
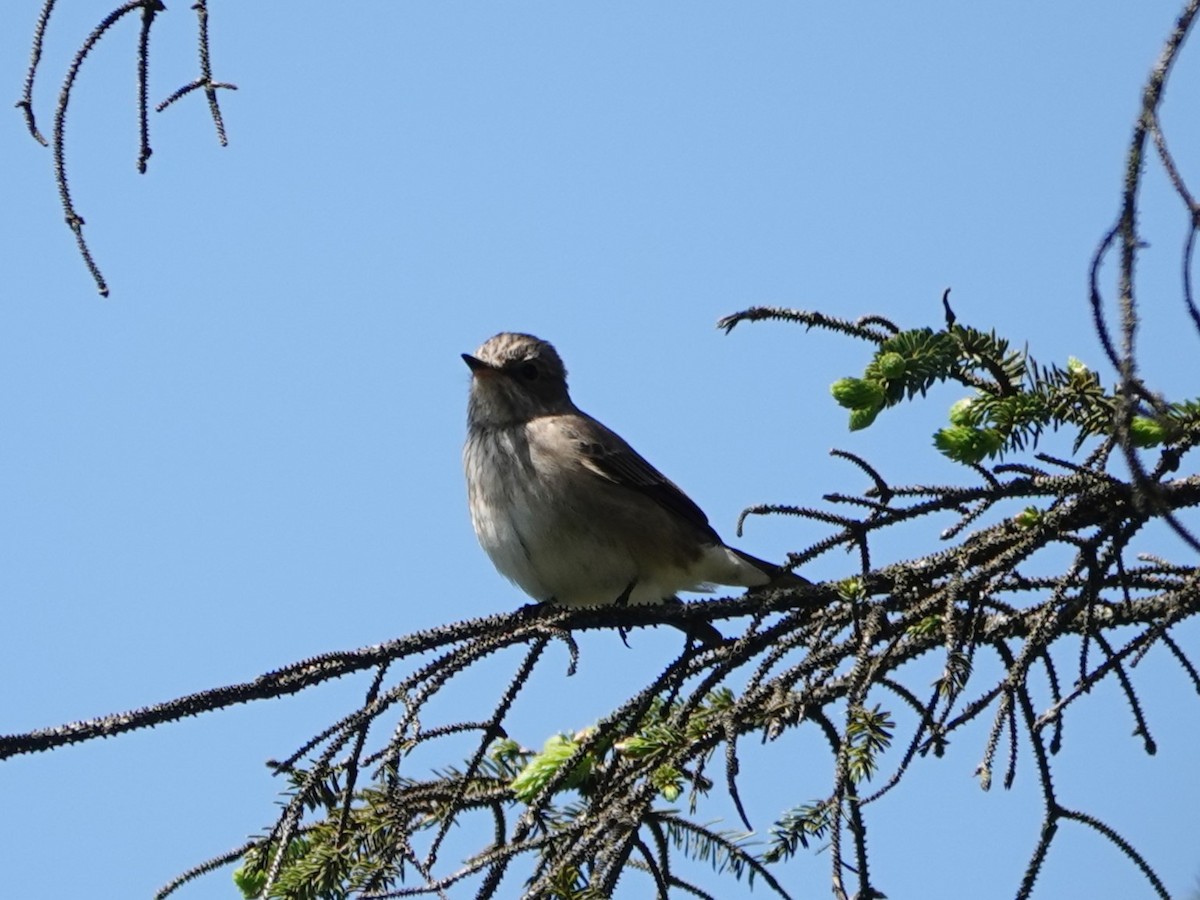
(778, 575)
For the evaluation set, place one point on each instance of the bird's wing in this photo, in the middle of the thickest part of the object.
(606, 454)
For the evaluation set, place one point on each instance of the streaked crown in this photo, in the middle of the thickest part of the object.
(508, 349)
(516, 377)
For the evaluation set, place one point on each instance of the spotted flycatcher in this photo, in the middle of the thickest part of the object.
(569, 511)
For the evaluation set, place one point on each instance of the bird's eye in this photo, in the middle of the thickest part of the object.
(528, 371)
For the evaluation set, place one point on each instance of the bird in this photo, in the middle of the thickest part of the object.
(567, 510)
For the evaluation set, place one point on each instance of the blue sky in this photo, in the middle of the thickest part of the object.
(250, 453)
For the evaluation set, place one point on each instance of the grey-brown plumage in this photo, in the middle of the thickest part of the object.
(569, 511)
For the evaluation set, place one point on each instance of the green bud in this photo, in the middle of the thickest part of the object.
(1146, 432)
(965, 444)
(857, 393)
(990, 441)
(544, 767)
(861, 418)
(891, 365)
(249, 882)
(1027, 518)
(954, 441)
(960, 412)
(637, 746)
(669, 782)
(504, 750)
(851, 588)
(927, 625)
(251, 876)
(1075, 367)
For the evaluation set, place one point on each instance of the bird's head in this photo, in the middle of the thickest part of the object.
(515, 378)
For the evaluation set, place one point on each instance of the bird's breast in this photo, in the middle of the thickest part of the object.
(510, 507)
(562, 533)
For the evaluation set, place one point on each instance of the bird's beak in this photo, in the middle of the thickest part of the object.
(477, 366)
